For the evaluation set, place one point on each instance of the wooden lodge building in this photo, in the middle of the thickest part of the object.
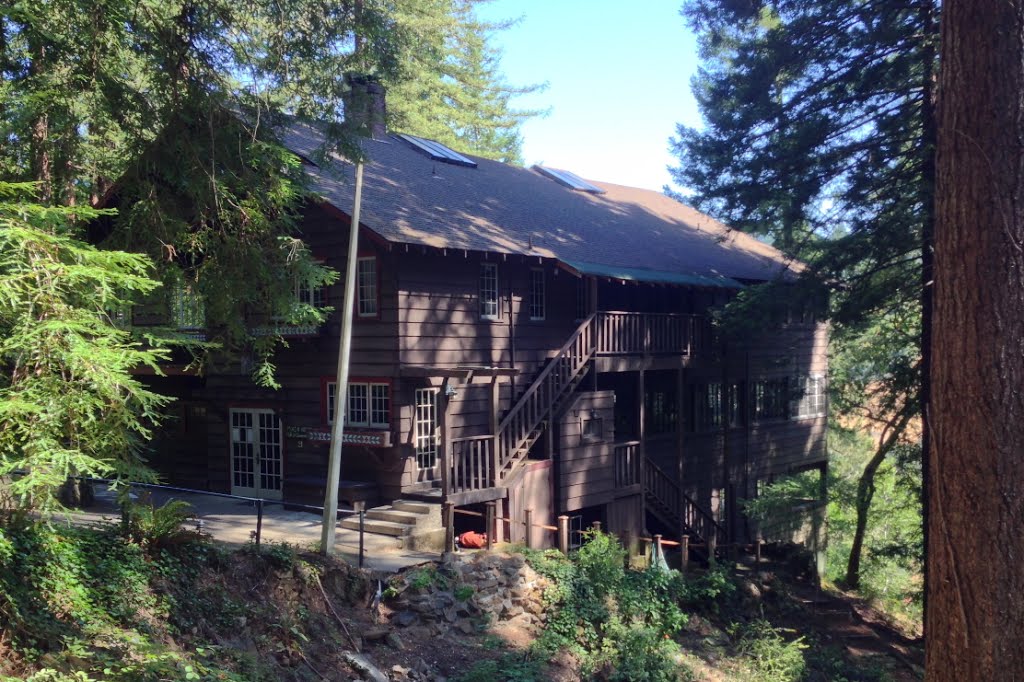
(524, 336)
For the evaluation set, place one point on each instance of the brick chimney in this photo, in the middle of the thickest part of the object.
(366, 106)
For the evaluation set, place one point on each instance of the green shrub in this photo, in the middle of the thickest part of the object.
(620, 624)
(770, 657)
(159, 526)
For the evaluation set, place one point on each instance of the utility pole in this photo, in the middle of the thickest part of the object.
(341, 383)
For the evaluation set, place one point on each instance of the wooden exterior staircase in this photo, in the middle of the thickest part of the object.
(480, 468)
(668, 502)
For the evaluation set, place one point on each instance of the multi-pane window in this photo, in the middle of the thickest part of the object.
(368, 302)
(537, 304)
(771, 399)
(735, 401)
(309, 295)
(187, 307)
(425, 425)
(368, 404)
(489, 291)
(812, 402)
(660, 412)
(708, 406)
(581, 299)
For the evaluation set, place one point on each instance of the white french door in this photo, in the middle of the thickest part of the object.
(426, 442)
(256, 449)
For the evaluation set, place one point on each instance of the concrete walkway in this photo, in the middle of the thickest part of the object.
(233, 522)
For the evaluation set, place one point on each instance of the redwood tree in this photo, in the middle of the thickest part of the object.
(975, 608)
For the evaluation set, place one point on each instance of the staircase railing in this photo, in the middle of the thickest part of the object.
(518, 430)
(667, 494)
(625, 333)
(627, 463)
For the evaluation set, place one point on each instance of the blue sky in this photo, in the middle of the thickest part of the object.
(618, 77)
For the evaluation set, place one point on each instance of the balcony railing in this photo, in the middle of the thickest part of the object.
(623, 333)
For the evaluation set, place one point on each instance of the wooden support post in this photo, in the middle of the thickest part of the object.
(757, 553)
(493, 421)
(444, 461)
(641, 449)
(448, 511)
(680, 426)
(563, 534)
(528, 517)
(489, 524)
(712, 546)
(684, 545)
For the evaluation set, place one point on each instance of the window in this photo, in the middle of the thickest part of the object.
(569, 179)
(187, 307)
(437, 151)
(660, 412)
(708, 407)
(425, 425)
(593, 429)
(368, 404)
(812, 402)
(309, 295)
(489, 291)
(581, 299)
(735, 404)
(367, 304)
(537, 307)
(771, 399)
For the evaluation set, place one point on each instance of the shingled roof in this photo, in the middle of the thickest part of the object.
(408, 198)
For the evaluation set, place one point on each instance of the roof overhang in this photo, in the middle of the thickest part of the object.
(652, 276)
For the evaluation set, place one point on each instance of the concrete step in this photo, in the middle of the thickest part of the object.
(380, 527)
(389, 513)
(413, 506)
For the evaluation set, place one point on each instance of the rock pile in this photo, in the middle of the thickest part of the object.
(468, 592)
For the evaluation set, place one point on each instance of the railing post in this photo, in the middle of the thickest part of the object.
(528, 519)
(597, 526)
(362, 530)
(448, 511)
(563, 534)
(489, 524)
(259, 523)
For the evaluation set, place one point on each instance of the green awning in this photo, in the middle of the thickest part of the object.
(654, 276)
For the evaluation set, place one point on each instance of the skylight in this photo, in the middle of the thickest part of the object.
(569, 179)
(437, 151)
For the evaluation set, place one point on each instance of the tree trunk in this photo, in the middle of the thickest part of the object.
(975, 611)
(866, 490)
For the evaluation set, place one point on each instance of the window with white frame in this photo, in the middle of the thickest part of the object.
(425, 425)
(368, 303)
(187, 307)
(309, 295)
(812, 401)
(489, 291)
(537, 302)
(368, 404)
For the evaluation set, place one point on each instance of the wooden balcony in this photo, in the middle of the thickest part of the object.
(626, 341)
